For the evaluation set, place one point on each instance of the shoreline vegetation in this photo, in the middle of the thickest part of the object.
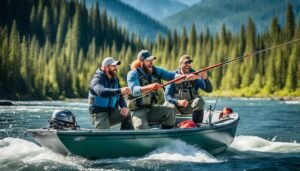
(224, 94)
(50, 49)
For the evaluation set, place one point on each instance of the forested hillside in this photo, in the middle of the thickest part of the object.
(50, 49)
(232, 13)
(134, 21)
(272, 73)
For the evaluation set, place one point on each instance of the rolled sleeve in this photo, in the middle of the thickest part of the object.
(164, 74)
(169, 94)
(133, 83)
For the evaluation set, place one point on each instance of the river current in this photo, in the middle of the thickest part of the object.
(267, 138)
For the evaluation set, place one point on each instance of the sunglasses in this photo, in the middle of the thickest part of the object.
(188, 62)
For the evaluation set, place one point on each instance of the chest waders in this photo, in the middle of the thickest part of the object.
(186, 90)
(148, 100)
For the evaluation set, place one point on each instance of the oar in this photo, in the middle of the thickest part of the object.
(219, 65)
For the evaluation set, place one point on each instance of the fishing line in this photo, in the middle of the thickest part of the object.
(219, 65)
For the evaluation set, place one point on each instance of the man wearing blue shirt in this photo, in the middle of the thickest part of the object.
(106, 103)
(184, 96)
(143, 78)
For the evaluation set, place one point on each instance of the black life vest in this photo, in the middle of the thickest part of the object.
(185, 90)
(150, 99)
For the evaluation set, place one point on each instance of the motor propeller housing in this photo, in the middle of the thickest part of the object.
(63, 119)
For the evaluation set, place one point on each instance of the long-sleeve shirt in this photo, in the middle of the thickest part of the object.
(101, 86)
(133, 78)
(170, 90)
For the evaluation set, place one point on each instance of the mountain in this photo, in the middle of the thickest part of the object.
(189, 2)
(157, 9)
(233, 13)
(131, 19)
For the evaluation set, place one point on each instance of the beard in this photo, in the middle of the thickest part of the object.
(186, 69)
(113, 72)
(147, 69)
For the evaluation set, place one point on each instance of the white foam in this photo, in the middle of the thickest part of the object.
(291, 102)
(26, 152)
(177, 151)
(254, 143)
(180, 151)
(251, 98)
(14, 149)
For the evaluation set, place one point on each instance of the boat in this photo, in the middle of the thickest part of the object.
(214, 136)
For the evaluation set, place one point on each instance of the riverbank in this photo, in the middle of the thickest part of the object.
(241, 93)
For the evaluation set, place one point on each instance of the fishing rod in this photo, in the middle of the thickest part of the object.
(219, 65)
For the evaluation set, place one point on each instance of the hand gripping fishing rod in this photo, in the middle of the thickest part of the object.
(220, 64)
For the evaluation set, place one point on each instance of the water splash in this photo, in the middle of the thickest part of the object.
(180, 151)
(254, 143)
(176, 151)
(16, 152)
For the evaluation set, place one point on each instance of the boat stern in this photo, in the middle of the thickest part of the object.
(48, 138)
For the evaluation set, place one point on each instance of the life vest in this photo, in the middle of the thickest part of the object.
(185, 90)
(104, 102)
(150, 99)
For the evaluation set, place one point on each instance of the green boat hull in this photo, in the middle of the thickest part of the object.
(93, 143)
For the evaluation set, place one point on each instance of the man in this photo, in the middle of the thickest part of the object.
(184, 96)
(143, 78)
(105, 96)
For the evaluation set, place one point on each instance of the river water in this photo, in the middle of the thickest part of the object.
(267, 138)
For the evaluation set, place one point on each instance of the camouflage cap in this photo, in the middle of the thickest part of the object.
(185, 58)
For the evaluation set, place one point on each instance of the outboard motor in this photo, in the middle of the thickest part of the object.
(63, 119)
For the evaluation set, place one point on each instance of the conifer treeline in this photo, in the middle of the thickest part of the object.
(272, 73)
(52, 48)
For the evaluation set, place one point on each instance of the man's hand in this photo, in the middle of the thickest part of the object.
(191, 77)
(182, 103)
(124, 111)
(202, 75)
(125, 91)
(154, 86)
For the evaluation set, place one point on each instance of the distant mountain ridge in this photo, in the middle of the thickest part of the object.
(233, 13)
(133, 20)
(189, 2)
(157, 9)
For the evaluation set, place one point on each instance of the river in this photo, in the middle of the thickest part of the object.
(267, 138)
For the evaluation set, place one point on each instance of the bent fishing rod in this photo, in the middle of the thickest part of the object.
(219, 65)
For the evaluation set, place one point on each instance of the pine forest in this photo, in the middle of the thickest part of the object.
(50, 49)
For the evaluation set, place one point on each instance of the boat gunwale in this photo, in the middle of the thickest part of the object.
(156, 132)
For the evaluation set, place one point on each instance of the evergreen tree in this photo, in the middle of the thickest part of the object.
(25, 65)
(14, 61)
(290, 23)
(248, 69)
(192, 40)
(291, 79)
(183, 41)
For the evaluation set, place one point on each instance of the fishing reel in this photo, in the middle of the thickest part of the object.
(63, 119)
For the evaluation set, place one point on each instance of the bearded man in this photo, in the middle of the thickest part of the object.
(106, 103)
(184, 97)
(143, 78)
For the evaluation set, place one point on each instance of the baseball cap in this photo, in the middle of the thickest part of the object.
(145, 55)
(110, 61)
(185, 58)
